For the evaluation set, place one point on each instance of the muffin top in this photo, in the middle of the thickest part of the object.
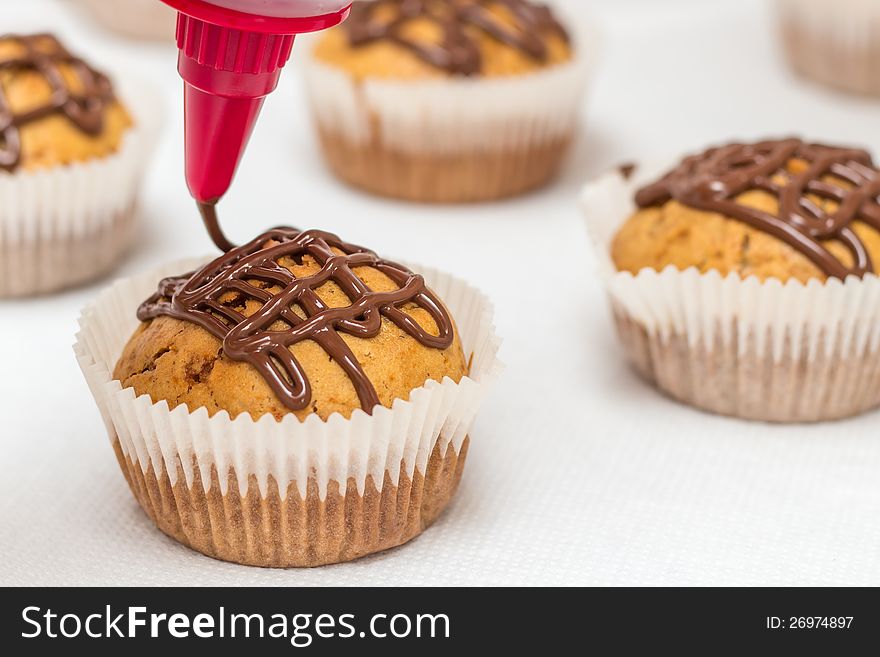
(781, 209)
(54, 108)
(293, 322)
(414, 39)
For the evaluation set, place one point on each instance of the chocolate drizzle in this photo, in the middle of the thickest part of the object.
(44, 54)
(254, 272)
(212, 224)
(847, 178)
(459, 51)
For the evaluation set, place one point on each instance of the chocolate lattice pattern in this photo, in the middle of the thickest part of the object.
(822, 191)
(253, 272)
(458, 52)
(44, 54)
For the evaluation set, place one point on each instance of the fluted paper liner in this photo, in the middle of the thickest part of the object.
(452, 138)
(68, 224)
(835, 43)
(289, 493)
(759, 350)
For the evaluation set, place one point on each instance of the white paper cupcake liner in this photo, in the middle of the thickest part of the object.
(63, 226)
(759, 350)
(835, 43)
(391, 440)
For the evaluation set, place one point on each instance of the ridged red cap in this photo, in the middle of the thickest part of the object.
(230, 61)
(229, 49)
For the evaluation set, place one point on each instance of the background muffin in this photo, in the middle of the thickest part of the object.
(743, 280)
(668, 232)
(89, 123)
(448, 100)
(287, 418)
(70, 165)
(141, 19)
(835, 42)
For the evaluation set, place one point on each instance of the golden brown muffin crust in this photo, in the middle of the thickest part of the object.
(386, 59)
(55, 140)
(682, 237)
(180, 362)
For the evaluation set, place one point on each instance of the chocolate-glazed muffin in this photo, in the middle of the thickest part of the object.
(448, 100)
(298, 401)
(355, 332)
(401, 39)
(55, 109)
(779, 209)
(744, 280)
(70, 159)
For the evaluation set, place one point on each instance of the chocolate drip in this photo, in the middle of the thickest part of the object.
(459, 51)
(44, 54)
(251, 271)
(845, 177)
(209, 217)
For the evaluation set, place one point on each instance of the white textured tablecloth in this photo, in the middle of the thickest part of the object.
(578, 472)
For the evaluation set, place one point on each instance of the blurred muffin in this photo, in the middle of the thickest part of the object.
(313, 399)
(836, 43)
(58, 111)
(70, 162)
(448, 100)
(138, 19)
(744, 281)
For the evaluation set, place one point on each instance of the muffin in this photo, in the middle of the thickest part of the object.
(70, 162)
(743, 281)
(836, 43)
(141, 19)
(297, 402)
(448, 100)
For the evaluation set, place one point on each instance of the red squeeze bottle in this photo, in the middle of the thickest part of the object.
(231, 56)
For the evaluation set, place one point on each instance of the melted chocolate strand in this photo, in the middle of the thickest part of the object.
(252, 271)
(44, 54)
(846, 177)
(209, 217)
(459, 51)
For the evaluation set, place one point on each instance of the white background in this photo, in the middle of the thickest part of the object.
(578, 473)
